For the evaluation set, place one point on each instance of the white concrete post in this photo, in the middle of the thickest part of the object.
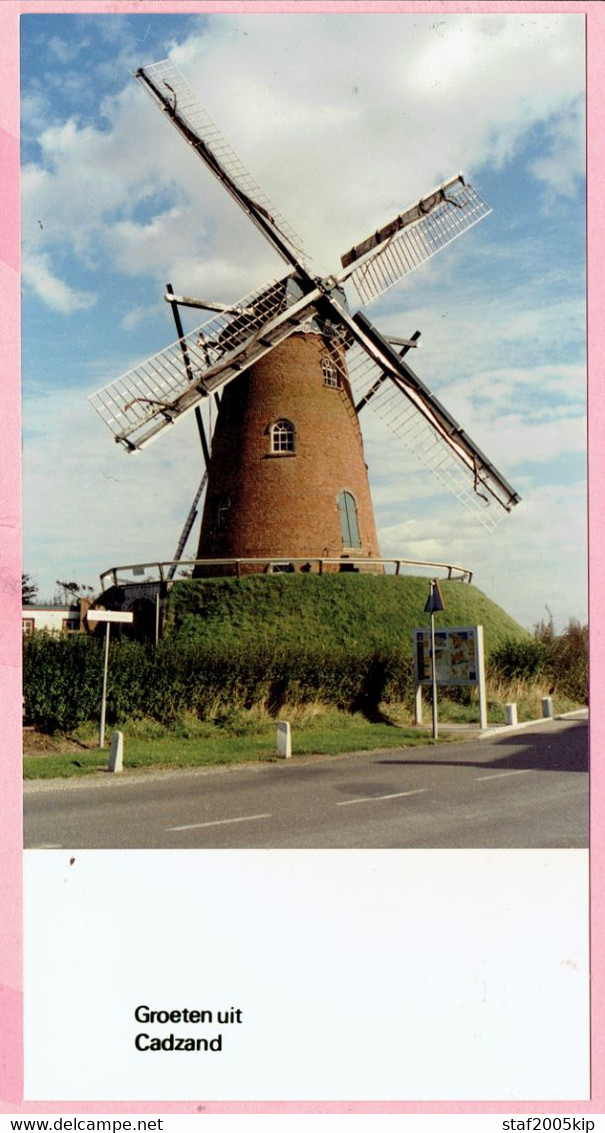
(116, 753)
(547, 709)
(510, 711)
(284, 740)
(482, 684)
(418, 704)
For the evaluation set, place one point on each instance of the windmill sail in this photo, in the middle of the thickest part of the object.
(152, 395)
(139, 405)
(165, 83)
(412, 238)
(380, 378)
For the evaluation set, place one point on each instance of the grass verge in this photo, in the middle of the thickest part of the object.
(240, 735)
(209, 745)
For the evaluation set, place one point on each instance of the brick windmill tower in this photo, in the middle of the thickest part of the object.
(288, 371)
(287, 474)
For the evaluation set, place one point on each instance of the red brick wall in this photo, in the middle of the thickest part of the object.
(285, 506)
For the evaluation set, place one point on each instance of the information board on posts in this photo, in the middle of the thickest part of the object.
(458, 655)
(459, 660)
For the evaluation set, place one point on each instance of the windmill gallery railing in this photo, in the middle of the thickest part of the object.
(180, 571)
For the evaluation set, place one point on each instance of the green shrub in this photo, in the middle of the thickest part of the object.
(568, 661)
(61, 680)
(519, 660)
(559, 661)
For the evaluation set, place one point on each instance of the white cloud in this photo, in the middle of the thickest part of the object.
(137, 315)
(37, 273)
(535, 559)
(90, 505)
(521, 443)
(422, 99)
(558, 168)
(35, 107)
(65, 52)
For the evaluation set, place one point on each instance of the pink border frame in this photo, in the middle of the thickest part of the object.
(11, 971)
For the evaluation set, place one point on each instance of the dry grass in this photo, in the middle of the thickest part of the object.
(527, 695)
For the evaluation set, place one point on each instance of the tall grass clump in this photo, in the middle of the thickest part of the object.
(555, 664)
(566, 657)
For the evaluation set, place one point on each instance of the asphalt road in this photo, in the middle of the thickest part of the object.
(519, 790)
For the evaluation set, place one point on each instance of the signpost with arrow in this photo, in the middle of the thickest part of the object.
(434, 605)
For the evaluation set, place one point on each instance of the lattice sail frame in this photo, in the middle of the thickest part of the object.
(405, 415)
(453, 212)
(185, 103)
(150, 396)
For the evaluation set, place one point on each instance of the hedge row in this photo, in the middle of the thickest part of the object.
(63, 675)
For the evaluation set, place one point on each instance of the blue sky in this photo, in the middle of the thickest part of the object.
(344, 122)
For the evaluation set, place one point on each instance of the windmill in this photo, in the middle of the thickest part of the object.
(289, 369)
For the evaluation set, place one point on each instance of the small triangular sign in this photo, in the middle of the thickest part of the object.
(435, 601)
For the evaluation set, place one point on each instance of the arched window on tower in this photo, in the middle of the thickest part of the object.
(330, 373)
(349, 526)
(282, 436)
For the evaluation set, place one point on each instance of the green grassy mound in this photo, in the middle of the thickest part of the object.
(316, 611)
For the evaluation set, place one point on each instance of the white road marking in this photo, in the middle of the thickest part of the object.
(379, 798)
(220, 822)
(503, 774)
(46, 846)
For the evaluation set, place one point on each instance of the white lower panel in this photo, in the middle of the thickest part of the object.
(353, 975)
